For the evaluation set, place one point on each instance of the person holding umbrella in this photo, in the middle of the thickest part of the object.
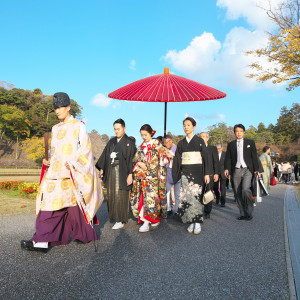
(148, 195)
(191, 165)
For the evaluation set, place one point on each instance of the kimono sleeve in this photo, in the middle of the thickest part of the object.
(176, 168)
(102, 159)
(129, 159)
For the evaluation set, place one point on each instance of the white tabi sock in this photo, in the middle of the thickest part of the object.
(41, 245)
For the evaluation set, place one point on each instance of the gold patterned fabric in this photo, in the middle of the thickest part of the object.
(80, 185)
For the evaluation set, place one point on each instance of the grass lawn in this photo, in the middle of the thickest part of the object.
(18, 178)
(11, 203)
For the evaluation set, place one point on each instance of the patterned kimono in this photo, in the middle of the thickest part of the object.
(190, 164)
(148, 195)
(267, 166)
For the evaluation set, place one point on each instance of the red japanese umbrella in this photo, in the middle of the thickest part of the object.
(166, 88)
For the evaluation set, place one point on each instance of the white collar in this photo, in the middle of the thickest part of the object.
(71, 118)
(188, 140)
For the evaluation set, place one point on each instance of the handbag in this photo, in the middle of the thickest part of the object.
(272, 181)
(208, 196)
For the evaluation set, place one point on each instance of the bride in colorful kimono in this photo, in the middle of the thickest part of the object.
(148, 195)
(191, 165)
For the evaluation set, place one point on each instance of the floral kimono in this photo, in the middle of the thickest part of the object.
(148, 195)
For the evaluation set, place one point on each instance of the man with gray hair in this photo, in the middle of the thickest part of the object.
(168, 143)
(222, 177)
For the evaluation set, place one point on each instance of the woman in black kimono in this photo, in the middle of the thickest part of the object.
(191, 165)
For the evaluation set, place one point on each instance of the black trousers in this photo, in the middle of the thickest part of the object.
(221, 196)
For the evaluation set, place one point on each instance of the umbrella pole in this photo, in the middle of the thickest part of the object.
(165, 125)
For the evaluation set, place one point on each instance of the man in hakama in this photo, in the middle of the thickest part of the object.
(70, 192)
(115, 165)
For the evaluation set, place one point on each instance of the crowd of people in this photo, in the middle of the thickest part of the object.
(141, 179)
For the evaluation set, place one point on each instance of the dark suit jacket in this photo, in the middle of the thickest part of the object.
(213, 159)
(222, 164)
(249, 152)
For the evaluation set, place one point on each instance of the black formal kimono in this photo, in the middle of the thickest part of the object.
(116, 163)
(190, 164)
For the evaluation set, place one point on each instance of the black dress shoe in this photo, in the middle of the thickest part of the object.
(241, 218)
(249, 218)
(28, 245)
(169, 213)
(206, 216)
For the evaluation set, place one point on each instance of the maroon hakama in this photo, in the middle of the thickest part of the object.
(57, 226)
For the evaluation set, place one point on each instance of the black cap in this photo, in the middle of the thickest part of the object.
(61, 100)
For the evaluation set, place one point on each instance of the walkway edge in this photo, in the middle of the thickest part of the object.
(291, 280)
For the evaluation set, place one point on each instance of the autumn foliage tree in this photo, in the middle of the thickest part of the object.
(283, 50)
(34, 148)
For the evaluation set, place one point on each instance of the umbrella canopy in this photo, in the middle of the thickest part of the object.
(166, 87)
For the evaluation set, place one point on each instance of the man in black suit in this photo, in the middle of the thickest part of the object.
(214, 176)
(241, 163)
(296, 170)
(222, 177)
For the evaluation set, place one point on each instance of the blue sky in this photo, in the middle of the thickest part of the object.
(89, 49)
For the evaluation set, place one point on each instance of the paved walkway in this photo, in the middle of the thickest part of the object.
(230, 259)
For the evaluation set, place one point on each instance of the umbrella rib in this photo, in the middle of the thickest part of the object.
(182, 87)
(178, 92)
(152, 83)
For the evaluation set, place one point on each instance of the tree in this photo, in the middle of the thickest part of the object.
(35, 148)
(288, 124)
(105, 138)
(13, 124)
(283, 50)
(37, 92)
(220, 133)
(261, 127)
(250, 133)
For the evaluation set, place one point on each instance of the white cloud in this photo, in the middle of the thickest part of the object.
(211, 62)
(132, 64)
(252, 10)
(225, 63)
(190, 60)
(101, 100)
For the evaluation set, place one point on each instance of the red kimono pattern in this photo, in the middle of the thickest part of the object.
(149, 187)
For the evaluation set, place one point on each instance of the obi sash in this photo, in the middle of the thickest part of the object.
(191, 158)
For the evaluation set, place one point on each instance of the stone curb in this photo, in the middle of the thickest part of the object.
(291, 280)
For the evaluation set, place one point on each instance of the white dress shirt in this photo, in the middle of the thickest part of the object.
(240, 154)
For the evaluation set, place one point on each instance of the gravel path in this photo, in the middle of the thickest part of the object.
(230, 259)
